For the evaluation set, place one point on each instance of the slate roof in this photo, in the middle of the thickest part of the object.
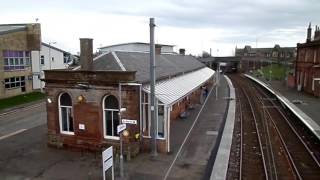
(8, 28)
(166, 64)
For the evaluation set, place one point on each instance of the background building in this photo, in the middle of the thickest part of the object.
(307, 65)
(16, 43)
(50, 58)
(135, 47)
(254, 58)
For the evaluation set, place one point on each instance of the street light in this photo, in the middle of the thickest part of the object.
(50, 53)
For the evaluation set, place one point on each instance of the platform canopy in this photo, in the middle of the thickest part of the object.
(170, 91)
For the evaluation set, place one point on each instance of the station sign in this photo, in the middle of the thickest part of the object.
(121, 127)
(129, 121)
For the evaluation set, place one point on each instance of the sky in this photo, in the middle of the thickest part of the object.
(196, 25)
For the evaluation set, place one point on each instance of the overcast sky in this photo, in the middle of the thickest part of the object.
(196, 25)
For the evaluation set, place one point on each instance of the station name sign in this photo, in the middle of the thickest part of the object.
(129, 121)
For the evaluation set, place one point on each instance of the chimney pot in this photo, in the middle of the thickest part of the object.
(309, 33)
(182, 51)
(158, 49)
(86, 57)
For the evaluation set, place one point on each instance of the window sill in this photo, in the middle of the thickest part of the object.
(112, 137)
(14, 88)
(12, 70)
(149, 137)
(67, 133)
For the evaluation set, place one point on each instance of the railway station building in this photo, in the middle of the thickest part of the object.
(85, 105)
(307, 65)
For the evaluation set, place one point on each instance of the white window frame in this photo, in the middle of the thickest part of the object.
(164, 120)
(146, 98)
(104, 120)
(60, 116)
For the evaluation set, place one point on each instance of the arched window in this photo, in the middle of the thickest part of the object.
(65, 114)
(110, 117)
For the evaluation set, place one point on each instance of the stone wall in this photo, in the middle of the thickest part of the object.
(90, 113)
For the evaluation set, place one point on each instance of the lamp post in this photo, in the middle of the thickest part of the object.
(153, 107)
(50, 53)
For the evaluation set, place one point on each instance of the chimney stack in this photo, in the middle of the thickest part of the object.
(158, 49)
(86, 57)
(182, 51)
(317, 34)
(309, 33)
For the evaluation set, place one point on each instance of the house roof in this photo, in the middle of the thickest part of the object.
(167, 65)
(9, 28)
(115, 45)
(55, 48)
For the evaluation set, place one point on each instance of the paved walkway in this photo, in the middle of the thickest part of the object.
(310, 104)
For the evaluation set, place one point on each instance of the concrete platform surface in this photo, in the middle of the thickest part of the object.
(220, 168)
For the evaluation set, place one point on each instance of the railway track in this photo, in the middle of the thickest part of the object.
(284, 153)
(252, 162)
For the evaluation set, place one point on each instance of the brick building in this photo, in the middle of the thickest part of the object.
(16, 43)
(84, 104)
(254, 58)
(307, 64)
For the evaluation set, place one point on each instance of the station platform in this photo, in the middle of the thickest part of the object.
(308, 108)
(220, 167)
(195, 142)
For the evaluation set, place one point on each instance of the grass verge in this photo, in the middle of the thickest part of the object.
(21, 99)
(275, 71)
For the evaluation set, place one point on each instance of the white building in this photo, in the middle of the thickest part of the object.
(136, 47)
(50, 58)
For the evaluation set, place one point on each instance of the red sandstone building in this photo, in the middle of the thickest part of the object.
(83, 104)
(307, 65)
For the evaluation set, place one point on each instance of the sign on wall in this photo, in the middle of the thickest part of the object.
(121, 127)
(129, 121)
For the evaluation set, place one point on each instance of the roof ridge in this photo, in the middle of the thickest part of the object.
(118, 61)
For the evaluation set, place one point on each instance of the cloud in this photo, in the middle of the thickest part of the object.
(196, 25)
